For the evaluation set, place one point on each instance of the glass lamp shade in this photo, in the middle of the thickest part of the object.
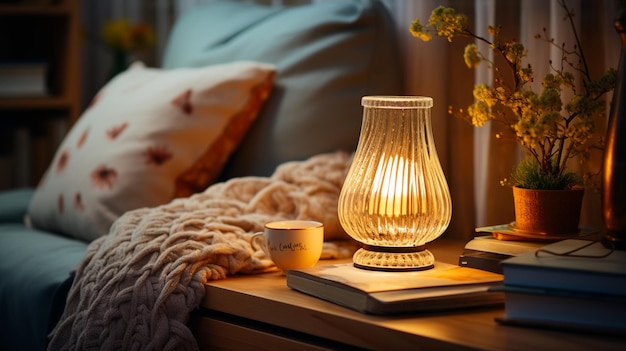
(395, 198)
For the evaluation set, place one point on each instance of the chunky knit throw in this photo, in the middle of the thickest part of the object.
(136, 286)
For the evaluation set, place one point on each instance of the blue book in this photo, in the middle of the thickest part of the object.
(590, 268)
(565, 310)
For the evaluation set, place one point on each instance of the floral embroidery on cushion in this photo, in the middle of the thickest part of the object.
(60, 203)
(64, 158)
(107, 155)
(115, 131)
(183, 101)
(157, 155)
(103, 177)
(78, 203)
(82, 139)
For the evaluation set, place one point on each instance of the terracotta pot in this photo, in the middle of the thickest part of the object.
(549, 212)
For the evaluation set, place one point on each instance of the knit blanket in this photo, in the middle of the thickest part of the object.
(136, 286)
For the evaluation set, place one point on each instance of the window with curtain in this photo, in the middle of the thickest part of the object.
(473, 159)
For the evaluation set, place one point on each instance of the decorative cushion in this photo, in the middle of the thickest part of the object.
(149, 136)
(328, 55)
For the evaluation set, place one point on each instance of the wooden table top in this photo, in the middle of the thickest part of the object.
(266, 298)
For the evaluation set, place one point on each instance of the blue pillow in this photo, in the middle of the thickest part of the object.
(328, 55)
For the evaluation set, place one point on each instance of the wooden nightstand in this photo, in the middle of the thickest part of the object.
(261, 312)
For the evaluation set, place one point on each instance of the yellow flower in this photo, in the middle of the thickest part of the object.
(121, 35)
(514, 52)
(479, 113)
(484, 93)
(447, 22)
(444, 21)
(471, 56)
(525, 75)
(418, 31)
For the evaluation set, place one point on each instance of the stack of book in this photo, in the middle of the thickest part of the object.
(571, 284)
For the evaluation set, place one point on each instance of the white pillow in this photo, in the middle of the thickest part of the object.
(149, 136)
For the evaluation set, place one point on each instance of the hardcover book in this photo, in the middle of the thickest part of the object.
(486, 252)
(486, 261)
(443, 287)
(23, 79)
(590, 267)
(564, 310)
(487, 243)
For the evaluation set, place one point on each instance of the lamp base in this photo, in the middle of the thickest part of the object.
(390, 260)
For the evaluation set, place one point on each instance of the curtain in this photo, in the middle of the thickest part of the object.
(474, 160)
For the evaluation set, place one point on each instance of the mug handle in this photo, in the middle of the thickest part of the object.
(258, 242)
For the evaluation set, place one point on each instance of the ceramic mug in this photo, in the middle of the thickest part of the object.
(291, 244)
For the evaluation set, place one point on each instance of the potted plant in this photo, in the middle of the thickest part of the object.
(551, 127)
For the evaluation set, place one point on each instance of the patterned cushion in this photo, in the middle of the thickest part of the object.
(149, 136)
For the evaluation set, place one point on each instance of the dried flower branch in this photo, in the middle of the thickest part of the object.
(550, 129)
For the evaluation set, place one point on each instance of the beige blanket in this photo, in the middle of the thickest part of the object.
(136, 286)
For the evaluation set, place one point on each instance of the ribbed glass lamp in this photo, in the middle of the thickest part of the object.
(395, 198)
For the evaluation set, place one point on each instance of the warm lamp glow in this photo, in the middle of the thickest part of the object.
(395, 198)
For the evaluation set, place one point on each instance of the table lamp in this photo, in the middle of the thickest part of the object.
(395, 198)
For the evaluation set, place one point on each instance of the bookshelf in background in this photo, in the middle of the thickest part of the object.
(40, 42)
